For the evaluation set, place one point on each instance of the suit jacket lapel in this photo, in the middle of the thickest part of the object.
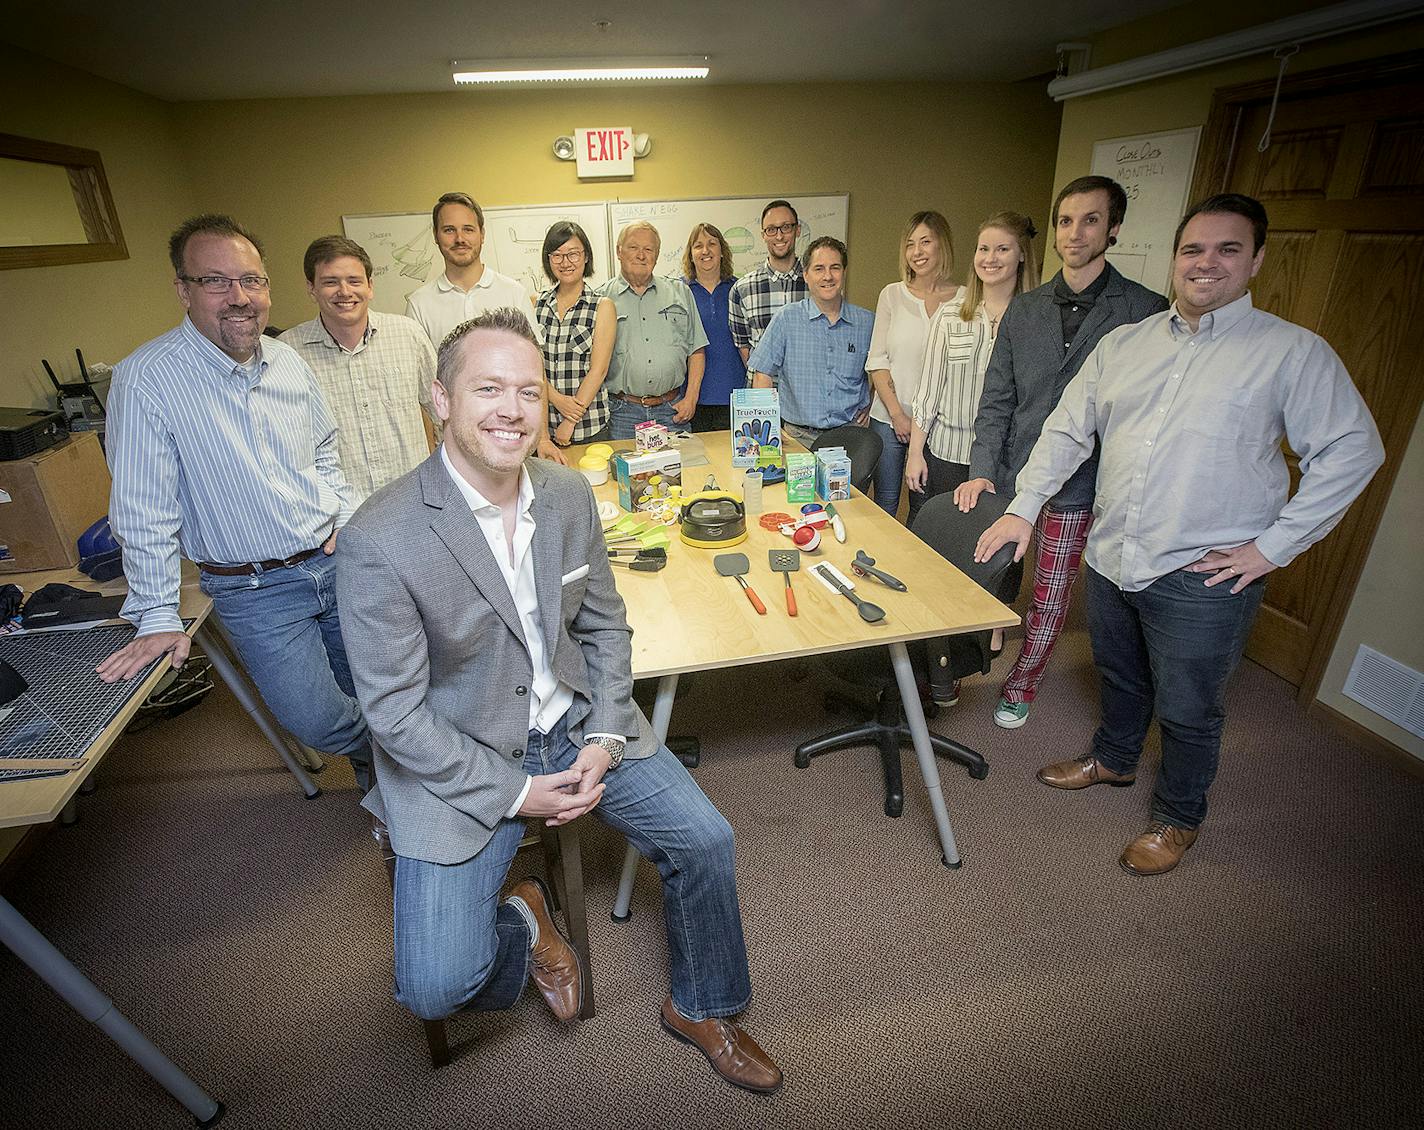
(548, 553)
(459, 530)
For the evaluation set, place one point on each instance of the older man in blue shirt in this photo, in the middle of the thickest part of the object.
(814, 351)
(223, 451)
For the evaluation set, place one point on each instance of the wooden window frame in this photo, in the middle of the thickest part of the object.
(91, 196)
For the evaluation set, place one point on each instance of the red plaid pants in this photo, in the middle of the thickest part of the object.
(1061, 537)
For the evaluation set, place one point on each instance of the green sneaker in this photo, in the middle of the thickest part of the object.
(1010, 715)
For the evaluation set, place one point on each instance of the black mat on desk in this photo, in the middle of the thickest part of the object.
(67, 705)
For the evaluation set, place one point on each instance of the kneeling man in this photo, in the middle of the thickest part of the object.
(493, 662)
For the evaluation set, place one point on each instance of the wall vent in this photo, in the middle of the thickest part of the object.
(1389, 688)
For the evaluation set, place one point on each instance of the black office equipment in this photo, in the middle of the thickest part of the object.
(28, 431)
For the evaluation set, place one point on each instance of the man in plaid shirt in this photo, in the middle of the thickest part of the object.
(764, 290)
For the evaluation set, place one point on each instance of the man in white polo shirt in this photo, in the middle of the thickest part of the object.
(467, 287)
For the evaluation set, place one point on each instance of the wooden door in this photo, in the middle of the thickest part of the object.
(1343, 183)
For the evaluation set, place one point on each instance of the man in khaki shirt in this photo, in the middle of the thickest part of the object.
(374, 369)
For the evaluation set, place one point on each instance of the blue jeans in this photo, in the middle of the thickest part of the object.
(1168, 650)
(457, 946)
(625, 416)
(890, 471)
(284, 625)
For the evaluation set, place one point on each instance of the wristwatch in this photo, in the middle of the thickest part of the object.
(614, 747)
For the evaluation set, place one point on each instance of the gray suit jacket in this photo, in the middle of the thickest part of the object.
(440, 662)
(1028, 372)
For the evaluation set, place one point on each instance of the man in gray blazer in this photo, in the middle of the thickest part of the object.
(1046, 335)
(492, 659)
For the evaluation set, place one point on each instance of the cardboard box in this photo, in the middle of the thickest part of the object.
(832, 474)
(634, 471)
(50, 499)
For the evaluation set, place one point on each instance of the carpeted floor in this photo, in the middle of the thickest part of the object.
(1274, 980)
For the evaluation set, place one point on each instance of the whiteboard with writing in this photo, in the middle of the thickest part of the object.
(737, 217)
(1155, 169)
(404, 256)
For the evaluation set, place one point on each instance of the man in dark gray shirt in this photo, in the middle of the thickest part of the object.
(1045, 337)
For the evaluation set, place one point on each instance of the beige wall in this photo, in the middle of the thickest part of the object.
(1377, 616)
(103, 308)
(308, 161)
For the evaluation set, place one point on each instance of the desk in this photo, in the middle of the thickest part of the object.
(39, 800)
(687, 618)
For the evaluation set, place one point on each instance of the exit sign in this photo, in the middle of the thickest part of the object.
(604, 152)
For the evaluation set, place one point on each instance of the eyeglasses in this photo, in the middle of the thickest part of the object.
(566, 256)
(784, 229)
(221, 284)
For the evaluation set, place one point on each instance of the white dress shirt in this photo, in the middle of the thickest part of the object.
(897, 344)
(439, 306)
(1191, 426)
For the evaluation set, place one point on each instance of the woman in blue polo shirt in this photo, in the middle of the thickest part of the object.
(707, 266)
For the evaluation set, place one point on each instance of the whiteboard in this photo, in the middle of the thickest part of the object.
(404, 255)
(738, 218)
(1155, 169)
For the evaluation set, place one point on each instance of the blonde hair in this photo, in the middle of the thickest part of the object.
(938, 225)
(1021, 228)
(725, 268)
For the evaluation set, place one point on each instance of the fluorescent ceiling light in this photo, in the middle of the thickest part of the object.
(484, 71)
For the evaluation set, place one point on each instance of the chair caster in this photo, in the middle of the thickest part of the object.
(686, 750)
(979, 772)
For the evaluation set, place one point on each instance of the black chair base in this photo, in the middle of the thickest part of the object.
(887, 731)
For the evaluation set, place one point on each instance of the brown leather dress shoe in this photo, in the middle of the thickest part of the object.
(553, 963)
(1080, 772)
(732, 1053)
(1157, 850)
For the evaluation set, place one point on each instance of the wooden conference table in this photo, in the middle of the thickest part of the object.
(688, 618)
(25, 803)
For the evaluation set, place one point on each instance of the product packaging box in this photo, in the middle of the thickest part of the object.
(649, 435)
(635, 474)
(756, 424)
(47, 500)
(832, 474)
(800, 477)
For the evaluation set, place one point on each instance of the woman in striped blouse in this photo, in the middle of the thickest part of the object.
(579, 327)
(961, 338)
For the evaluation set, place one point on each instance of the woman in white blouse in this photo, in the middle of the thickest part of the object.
(897, 344)
(961, 338)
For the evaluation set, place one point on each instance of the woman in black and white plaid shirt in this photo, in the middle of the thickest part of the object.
(579, 327)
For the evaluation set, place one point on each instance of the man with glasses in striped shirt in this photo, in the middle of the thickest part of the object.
(223, 451)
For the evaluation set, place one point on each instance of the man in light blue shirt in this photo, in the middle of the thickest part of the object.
(814, 351)
(223, 451)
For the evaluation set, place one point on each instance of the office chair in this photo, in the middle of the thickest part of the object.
(563, 864)
(861, 444)
(953, 535)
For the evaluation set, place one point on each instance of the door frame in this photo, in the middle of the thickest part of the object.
(1229, 106)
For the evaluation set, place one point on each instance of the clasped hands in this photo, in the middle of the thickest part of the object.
(562, 797)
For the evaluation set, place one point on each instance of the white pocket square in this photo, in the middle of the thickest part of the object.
(570, 578)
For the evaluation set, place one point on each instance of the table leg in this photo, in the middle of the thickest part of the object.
(662, 718)
(31, 947)
(929, 767)
(244, 694)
